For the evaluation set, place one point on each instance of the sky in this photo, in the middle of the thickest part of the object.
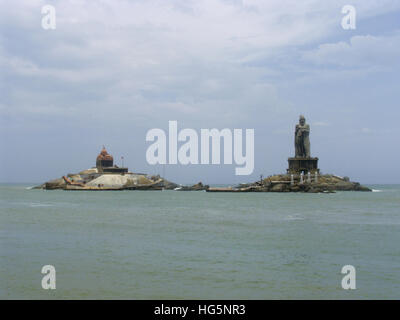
(112, 70)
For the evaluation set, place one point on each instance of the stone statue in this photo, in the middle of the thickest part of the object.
(302, 139)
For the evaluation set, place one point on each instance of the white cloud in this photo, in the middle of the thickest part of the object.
(157, 57)
(361, 51)
(210, 61)
(204, 63)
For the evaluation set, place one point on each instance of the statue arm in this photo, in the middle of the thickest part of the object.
(299, 131)
(303, 129)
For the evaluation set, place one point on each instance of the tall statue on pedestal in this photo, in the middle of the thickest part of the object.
(302, 162)
(302, 139)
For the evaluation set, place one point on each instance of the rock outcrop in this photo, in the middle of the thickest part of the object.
(55, 184)
(91, 179)
(283, 183)
(196, 187)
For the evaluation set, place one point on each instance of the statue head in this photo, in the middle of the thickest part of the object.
(302, 120)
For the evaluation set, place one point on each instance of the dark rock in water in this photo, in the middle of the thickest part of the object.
(280, 187)
(55, 184)
(167, 185)
(295, 188)
(328, 183)
(199, 186)
(344, 186)
(359, 187)
(196, 187)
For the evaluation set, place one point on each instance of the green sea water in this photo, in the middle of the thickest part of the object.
(198, 245)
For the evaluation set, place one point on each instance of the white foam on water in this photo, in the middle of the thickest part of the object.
(294, 217)
(376, 190)
(40, 205)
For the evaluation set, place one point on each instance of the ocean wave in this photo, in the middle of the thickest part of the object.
(33, 204)
(295, 217)
(376, 190)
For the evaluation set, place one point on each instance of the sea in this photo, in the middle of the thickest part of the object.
(199, 245)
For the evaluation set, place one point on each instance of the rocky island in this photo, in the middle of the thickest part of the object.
(326, 183)
(303, 175)
(107, 176)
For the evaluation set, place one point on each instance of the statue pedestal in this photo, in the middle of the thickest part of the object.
(305, 165)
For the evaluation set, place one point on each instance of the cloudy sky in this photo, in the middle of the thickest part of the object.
(114, 69)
